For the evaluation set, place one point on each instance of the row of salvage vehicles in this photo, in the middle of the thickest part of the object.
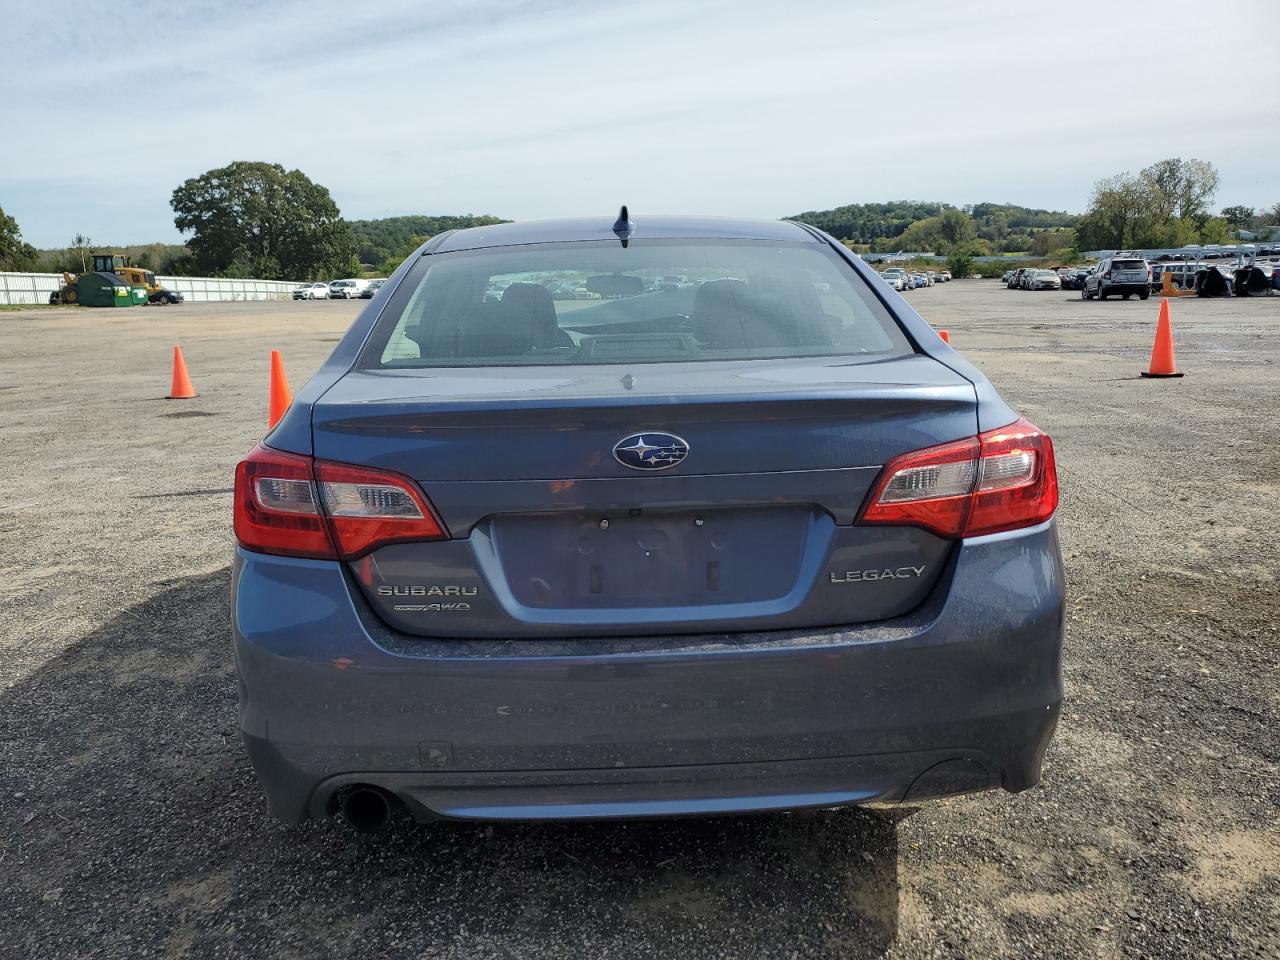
(113, 282)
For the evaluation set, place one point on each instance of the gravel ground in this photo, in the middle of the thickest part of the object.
(132, 825)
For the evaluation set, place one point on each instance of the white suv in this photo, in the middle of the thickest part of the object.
(1125, 275)
(347, 289)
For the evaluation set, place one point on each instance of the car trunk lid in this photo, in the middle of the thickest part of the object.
(552, 535)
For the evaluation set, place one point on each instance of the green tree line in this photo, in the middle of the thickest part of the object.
(932, 227)
(378, 241)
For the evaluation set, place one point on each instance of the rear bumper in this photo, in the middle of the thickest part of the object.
(961, 695)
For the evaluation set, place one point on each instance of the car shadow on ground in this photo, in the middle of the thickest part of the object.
(134, 824)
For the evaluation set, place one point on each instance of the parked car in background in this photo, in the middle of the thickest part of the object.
(748, 601)
(1182, 274)
(373, 287)
(897, 278)
(1041, 280)
(945, 276)
(349, 289)
(1119, 275)
(311, 291)
(1015, 282)
(1072, 277)
(1007, 277)
(163, 295)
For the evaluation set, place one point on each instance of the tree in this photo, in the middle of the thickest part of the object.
(1119, 212)
(1047, 242)
(1238, 217)
(377, 240)
(950, 231)
(257, 219)
(1215, 230)
(873, 222)
(1164, 205)
(15, 253)
(79, 251)
(1180, 188)
(960, 265)
(923, 236)
(956, 228)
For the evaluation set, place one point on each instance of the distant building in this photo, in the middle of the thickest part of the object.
(1261, 235)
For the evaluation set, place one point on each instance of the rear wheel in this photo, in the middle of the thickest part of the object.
(163, 300)
(1144, 295)
(70, 295)
(1102, 294)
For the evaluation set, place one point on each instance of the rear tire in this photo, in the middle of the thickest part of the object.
(1102, 294)
(1143, 295)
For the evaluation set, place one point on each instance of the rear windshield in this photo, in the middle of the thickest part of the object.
(653, 301)
(1128, 265)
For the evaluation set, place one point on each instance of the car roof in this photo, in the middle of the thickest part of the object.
(601, 228)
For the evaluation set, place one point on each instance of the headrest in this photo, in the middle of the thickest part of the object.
(532, 303)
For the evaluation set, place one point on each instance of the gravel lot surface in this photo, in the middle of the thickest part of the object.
(132, 825)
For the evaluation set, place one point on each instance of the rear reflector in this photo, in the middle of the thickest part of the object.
(295, 506)
(1000, 480)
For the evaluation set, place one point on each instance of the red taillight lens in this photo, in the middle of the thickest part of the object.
(1000, 480)
(276, 508)
(1019, 482)
(929, 488)
(299, 507)
(371, 508)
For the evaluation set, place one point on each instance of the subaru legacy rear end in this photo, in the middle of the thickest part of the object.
(551, 536)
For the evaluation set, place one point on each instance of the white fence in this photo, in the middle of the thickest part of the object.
(202, 289)
(36, 287)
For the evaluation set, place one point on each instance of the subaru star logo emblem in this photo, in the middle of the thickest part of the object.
(650, 451)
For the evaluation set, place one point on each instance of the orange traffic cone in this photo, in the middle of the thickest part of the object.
(180, 387)
(945, 335)
(280, 395)
(1162, 362)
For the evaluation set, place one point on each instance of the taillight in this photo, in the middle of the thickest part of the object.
(999, 480)
(1107, 275)
(276, 509)
(370, 508)
(296, 506)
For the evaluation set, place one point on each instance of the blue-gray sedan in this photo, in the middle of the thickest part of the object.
(595, 518)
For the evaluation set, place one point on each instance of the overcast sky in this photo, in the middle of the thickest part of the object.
(544, 108)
